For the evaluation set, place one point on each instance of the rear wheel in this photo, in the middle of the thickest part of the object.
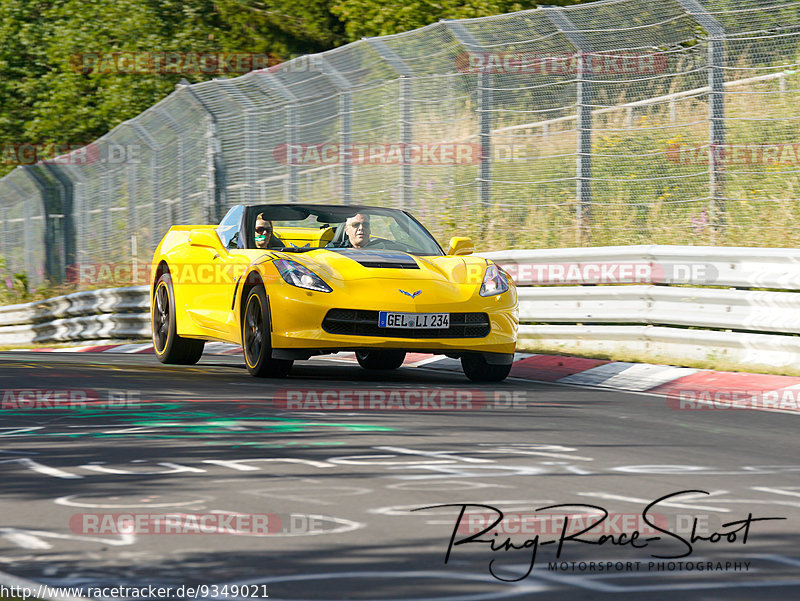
(477, 369)
(380, 359)
(256, 342)
(168, 346)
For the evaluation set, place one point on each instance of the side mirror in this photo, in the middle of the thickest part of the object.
(207, 238)
(460, 246)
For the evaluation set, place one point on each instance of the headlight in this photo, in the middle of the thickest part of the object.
(494, 282)
(301, 276)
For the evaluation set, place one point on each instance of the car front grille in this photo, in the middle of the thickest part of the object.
(359, 322)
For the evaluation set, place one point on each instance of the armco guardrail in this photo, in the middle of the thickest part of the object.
(93, 315)
(652, 303)
(584, 300)
(660, 305)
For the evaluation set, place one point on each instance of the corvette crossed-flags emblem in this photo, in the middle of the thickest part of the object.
(411, 294)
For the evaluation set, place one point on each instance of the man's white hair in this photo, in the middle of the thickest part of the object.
(350, 219)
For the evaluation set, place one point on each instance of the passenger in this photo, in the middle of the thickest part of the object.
(263, 235)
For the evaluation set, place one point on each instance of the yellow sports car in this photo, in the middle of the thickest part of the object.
(290, 281)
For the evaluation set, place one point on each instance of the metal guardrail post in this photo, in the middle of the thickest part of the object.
(274, 84)
(485, 100)
(346, 112)
(716, 107)
(68, 219)
(51, 260)
(406, 114)
(584, 94)
(216, 165)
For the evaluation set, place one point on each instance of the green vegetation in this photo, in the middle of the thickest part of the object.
(47, 99)
(364, 18)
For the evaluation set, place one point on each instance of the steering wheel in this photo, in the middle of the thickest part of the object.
(383, 244)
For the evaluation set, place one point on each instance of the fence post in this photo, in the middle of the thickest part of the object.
(716, 106)
(133, 214)
(28, 228)
(406, 114)
(216, 166)
(105, 183)
(274, 84)
(5, 242)
(485, 100)
(68, 219)
(51, 259)
(584, 94)
(346, 112)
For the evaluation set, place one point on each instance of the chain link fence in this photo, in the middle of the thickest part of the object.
(614, 122)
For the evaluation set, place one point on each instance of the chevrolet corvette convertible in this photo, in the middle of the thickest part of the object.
(291, 281)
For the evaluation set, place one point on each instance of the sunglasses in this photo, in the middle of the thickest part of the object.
(262, 229)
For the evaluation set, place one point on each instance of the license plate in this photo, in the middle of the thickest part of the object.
(417, 321)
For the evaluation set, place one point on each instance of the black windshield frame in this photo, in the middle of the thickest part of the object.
(324, 213)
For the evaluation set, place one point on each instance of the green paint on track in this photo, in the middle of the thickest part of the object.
(183, 423)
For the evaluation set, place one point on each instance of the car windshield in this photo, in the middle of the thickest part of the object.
(298, 228)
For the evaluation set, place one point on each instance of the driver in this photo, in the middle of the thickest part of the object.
(357, 230)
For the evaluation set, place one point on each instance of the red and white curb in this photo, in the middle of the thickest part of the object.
(684, 388)
(687, 388)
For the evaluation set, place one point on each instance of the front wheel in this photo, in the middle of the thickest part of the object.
(380, 359)
(256, 342)
(168, 346)
(477, 369)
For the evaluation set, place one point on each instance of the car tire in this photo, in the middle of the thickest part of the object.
(256, 343)
(167, 345)
(380, 359)
(477, 369)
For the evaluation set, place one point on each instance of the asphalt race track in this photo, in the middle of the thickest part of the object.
(321, 495)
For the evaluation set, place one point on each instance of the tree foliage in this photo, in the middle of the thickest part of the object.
(366, 18)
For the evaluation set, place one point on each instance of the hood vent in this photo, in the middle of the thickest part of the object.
(379, 259)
